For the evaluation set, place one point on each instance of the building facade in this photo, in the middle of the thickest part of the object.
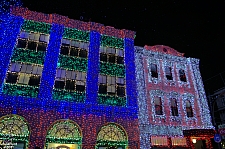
(66, 84)
(173, 109)
(217, 103)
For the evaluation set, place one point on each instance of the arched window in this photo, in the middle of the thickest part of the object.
(112, 136)
(189, 109)
(174, 109)
(64, 134)
(158, 106)
(14, 128)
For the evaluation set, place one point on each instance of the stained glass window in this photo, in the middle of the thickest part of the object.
(13, 125)
(64, 129)
(112, 132)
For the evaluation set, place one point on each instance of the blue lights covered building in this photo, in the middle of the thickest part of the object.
(66, 83)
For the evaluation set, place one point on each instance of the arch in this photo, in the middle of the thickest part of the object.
(15, 128)
(64, 132)
(112, 134)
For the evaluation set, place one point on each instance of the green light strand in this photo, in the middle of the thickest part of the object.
(112, 69)
(34, 26)
(69, 96)
(111, 143)
(28, 56)
(111, 100)
(76, 34)
(72, 63)
(20, 90)
(110, 41)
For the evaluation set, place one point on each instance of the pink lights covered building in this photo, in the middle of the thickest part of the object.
(173, 110)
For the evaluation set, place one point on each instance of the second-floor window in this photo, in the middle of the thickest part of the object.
(33, 41)
(24, 74)
(74, 48)
(70, 80)
(182, 75)
(111, 85)
(168, 71)
(174, 108)
(158, 106)
(111, 55)
(154, 71)
(189, 109)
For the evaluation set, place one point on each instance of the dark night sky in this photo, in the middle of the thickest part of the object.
(194, 28)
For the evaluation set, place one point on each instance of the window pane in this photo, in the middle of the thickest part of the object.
(81, 45)
(36, 36)
(158, 101)
(24, 67)
(120, 81)
(80, 83)
(63, 73)
(29, 68)
(102, 79)
(70, 85)
(120, 60)
(64, 50)
(44, 38)
(42, 47)
(32, 45)
(74, 52)
(73, 76)
(68, 74)
(112, 58)
(188, 104)
(24, 35)
(83, 53)
(21, 78)
(120, 91)
(73, 43)
(11, 78)
(111, 88)
(102, 89)
(15, 67)
(86, 45)
(59, 84)
(39, 70)
(34, 80)
(80, 88)
(103, 57)
(173, 103)
(83, 76)
(31, 36)
(77, 44)
(21, 43)
(65, 41)
(35, 69)
(79, 75)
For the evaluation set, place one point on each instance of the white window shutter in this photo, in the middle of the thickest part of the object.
(26, 79)
(68, 74)
(24, 67)
(79, 75)
(29, 68)
(39, 72)
(73, 75)
(35, 70)
(63, 73)
(36, 36)
(31, 36)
